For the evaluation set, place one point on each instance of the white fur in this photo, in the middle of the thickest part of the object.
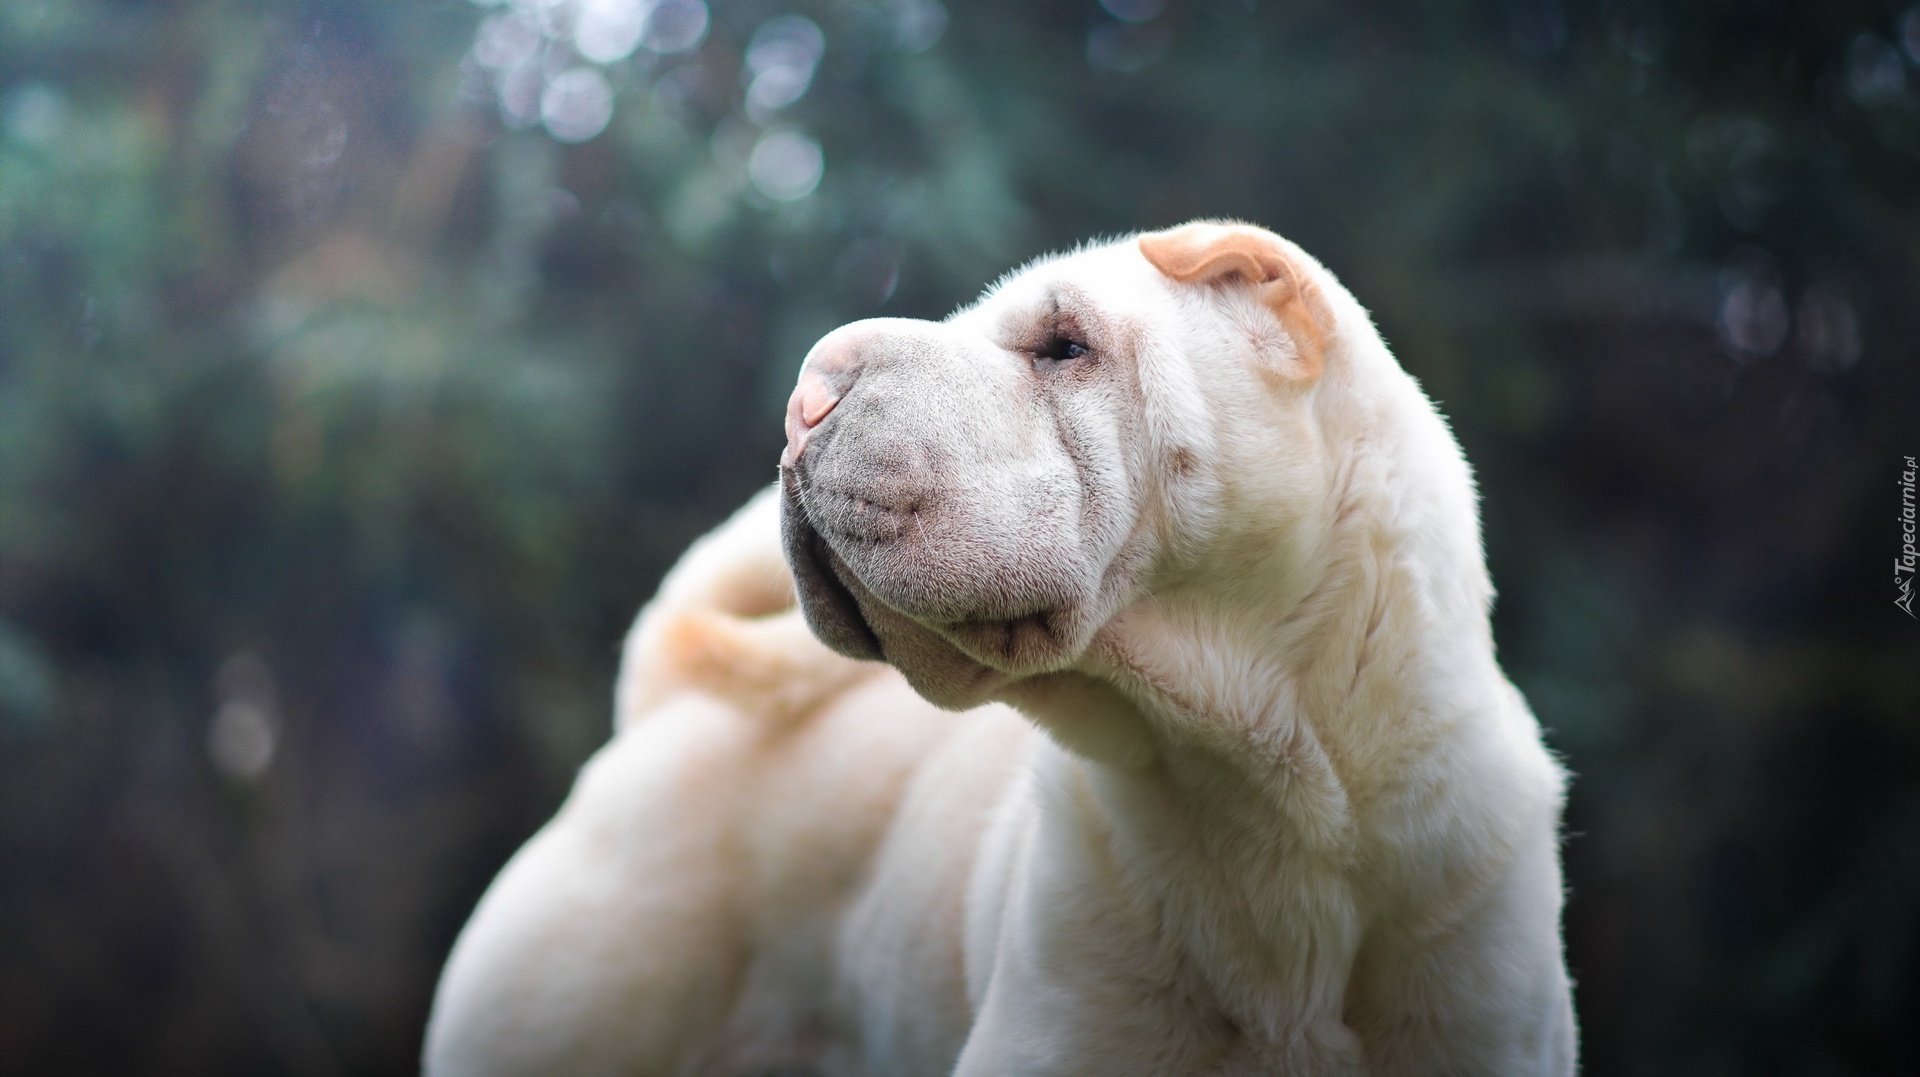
(1275, 810)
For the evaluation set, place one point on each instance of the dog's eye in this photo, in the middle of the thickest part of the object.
(1062, 349)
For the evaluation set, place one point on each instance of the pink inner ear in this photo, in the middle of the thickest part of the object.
(1198, 253)
(1226, 263)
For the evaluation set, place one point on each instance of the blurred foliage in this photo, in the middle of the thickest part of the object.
(363, 364)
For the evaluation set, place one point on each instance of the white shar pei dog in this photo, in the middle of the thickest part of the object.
(1189, 753)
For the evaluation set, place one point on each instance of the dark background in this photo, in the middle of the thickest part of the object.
(350, 405)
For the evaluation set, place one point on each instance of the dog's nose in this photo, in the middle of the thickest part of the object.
(812, 399)
(831, 369)
(844, 357)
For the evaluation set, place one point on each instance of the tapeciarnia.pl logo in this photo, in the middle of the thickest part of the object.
(1903, 565)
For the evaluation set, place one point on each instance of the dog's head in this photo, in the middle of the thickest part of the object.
(974, 500)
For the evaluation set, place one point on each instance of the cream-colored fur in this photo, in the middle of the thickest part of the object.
(1267, 805)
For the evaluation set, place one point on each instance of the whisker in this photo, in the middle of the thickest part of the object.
(925, 542)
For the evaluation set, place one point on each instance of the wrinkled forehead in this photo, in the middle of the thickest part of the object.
(1104, 281)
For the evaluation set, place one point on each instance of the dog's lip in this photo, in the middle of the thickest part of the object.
(864, 516)
(820, 576)
(1017, 640)
(840, 533)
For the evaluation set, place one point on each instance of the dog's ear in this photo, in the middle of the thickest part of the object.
(1201, 253)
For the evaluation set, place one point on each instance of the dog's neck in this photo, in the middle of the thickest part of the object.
(1306, 642)
(1244, 827)
(1249, 733)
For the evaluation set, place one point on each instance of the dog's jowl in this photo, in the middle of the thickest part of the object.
(1105, 688)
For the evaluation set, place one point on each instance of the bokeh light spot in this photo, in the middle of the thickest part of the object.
(607, 31)
(918, 24)
(1876, 75)
(786, 165)
(677, 25)
(506, 40)
(577, 104)
(780, 62)
(36, 113)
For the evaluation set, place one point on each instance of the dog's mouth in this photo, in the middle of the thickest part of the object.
(822, 580)
(951, 653)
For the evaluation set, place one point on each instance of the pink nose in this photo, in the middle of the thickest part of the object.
(812, 399)
(830, 370)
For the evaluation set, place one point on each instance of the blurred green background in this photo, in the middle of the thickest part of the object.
(363, 364)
